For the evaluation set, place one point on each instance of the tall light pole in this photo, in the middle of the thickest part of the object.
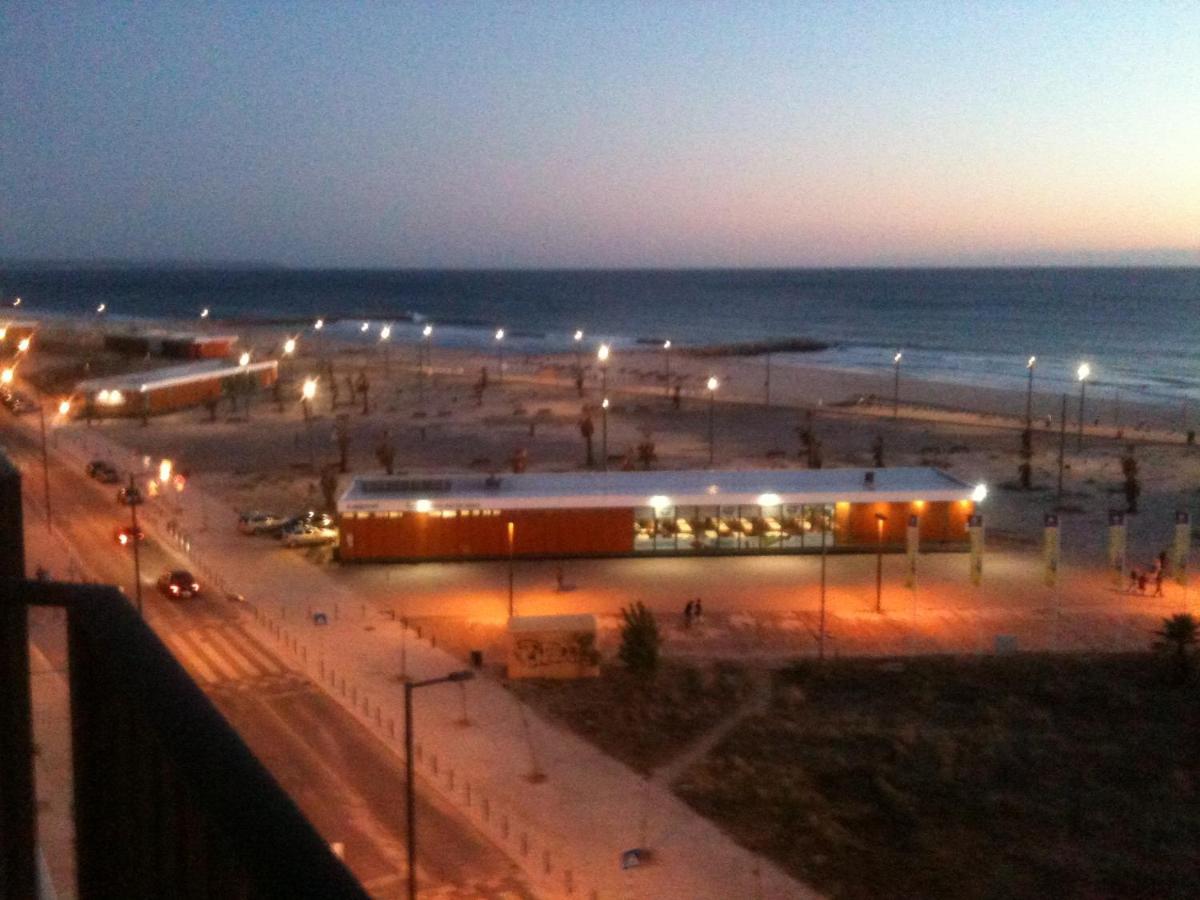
(385, 336)
(604, 434)
(578, 337)
(409, 768)
(500, 353)
(45, 459)
(667, 364)
(1062, 448)
(1082, 373)
(132, 497)
(307, 393)
(427, 334)
(880, 518)
(712, 384)
(1031, 365)
(289, 350)
(896, 384)
(602, 355)
(512, 541)
(821, 626)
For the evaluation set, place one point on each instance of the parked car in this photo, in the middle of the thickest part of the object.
(309, 535)
(312, 517)
(258, 522)
(179, 583)
(126, 535)
(103, 471)
(18, 403)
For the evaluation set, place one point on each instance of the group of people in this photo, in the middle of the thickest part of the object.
(692, 612)
(1139, 579)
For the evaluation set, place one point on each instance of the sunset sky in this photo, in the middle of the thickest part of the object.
(602, 134)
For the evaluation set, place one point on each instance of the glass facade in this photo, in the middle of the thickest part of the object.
(748, 528)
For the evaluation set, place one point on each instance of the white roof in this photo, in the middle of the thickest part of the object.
(155, 379)
(700, 487)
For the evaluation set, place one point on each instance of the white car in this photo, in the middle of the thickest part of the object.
(309, 535)
(256, 522)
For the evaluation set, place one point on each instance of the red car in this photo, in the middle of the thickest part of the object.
(125, 535)
(179, 583)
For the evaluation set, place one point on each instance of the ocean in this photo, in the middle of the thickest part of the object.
(1138, 328)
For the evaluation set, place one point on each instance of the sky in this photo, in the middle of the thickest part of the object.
(602, 134)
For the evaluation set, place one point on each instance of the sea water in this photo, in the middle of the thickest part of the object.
(1138, 328)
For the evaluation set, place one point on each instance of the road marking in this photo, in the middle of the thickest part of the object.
(189, 661)
(220, 641)
(227, 672)
(251, 648)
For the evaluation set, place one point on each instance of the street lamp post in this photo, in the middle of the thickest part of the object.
(667, 365)
(712, 384)
(578, 336)
(880, 518)
(821, 626)
(409, 768)
(602, 355)
(604, 434)
(1029, 392)
(133, 498)
(385, 335)
(500, 353)
(512, 540)
(427, 334)
(45, 460)
(896, 384)
(1082, 373)
(307, 393)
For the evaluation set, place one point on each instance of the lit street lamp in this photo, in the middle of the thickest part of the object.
(896, 385)
(410, 774)
(1083, 372)
(512, 541)
(427, 333)
(667, 364)
(712, 386)
(6, 376)
(604, 434)
(602, 355)
(244, 360)
(307, 393)
(289, 346)
(23, 345)
(578, 353)
(385, 335)
(204, 313)
(880, 518)
(101, 308)
(1029, 392)
(500, 353)
(132, 497)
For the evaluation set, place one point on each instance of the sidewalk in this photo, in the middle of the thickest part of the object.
(566, 829)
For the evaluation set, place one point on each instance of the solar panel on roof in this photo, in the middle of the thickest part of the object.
(420, 486)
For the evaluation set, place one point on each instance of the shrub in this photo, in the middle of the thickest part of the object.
(640, 640)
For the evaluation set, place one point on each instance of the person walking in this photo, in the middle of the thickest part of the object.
(1159, 577)
(1133, 579)
(697, 609)
(687, 615)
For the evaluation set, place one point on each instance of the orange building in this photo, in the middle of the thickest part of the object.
(547, 515)
(168, 389)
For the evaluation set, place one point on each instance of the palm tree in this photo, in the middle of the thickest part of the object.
(1177, 636)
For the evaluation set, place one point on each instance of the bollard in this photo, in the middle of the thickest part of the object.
(450, 780)
(321, 662)
(354, 694)
(337, 611)
(391, 727)
(524, 844)
(485, 807)
(504, 827)
(433, 641)
(546, 862)
(378, 717)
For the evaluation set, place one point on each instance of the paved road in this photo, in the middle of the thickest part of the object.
(345, 780)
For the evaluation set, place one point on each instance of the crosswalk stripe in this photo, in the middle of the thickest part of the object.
(251, 648)
(189, 660)
(219, 641)
(227, 672)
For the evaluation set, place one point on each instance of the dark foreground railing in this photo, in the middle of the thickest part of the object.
(168, 800)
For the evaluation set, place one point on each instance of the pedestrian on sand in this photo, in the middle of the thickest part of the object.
(1159, 575)
(687, 615)
(558, 574)
(697, 609)
(676, 393)
(1143, 580)
(1162, 560)
(1133, 579)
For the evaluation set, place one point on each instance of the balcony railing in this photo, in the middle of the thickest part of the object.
(168, 800)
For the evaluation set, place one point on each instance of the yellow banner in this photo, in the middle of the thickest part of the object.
(1183, 545)
(1116, 547)
(912, 545)
(975, 528)
(1051, 550)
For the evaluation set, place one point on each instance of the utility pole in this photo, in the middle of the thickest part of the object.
(1062, 446)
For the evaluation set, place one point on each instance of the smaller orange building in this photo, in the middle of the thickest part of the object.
(168, 389)
(547, 515)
